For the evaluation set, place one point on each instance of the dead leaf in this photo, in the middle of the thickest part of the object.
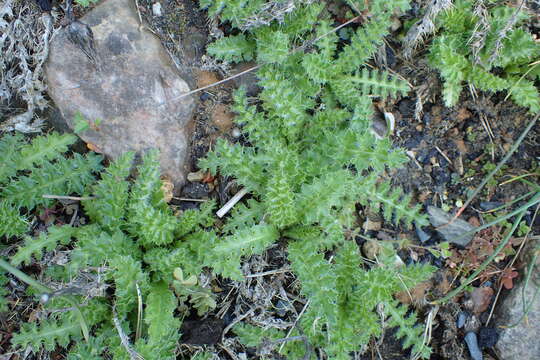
(474, 221)
(93, 147)
(415, 295)
(507, 277)
(167, 187)
(208, 178)
(481, 298)
(445, 283)
(460, 144)
(463, 114)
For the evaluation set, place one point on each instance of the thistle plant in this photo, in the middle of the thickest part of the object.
(129, 225)
(502, 58)
(311, 160)
(311, 163)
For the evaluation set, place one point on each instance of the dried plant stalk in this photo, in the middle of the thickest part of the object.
(25, 33)
(424, 27)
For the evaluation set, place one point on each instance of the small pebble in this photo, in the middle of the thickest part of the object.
(156, 9)
(44, 298)
(196, 176)
(396, 24)
(422, 235)
(487, 337)
(472, 344)
(236, 133)
(490, 205)
(528, 218)
(390, 121)
(371, 249)
(462, 317)
(372, 225)
(452, 231)
(390, 57)
(379, 126)
(196, 190)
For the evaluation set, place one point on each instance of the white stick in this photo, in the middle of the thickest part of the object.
(228, 206)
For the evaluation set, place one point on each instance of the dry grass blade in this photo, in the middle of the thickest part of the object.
(427, 332)
(124, 340)
(24, 46)
(424, 27)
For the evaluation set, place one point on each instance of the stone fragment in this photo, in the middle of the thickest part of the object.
(472, 344)
(481, 298)
(196, 190)
(156, 9)
(371, 249)
(487, 337)
(131, 87)
(451, 232)
(490, 205)
(421, 234)
(236, 133)
(196, 176)
(379, 126)
(370, 225)
(462, 317)
(518, 336)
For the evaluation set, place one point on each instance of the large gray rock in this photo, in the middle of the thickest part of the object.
(521, 341)
(131, 87)
(451, 231)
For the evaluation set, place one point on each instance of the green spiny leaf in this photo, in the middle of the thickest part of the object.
(234, 48)
(163, 327)
(48, 334)
(13, 223)
(55, 236)
(111, 195)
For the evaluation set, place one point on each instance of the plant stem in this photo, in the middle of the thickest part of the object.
(23, 277)
(46, 290)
